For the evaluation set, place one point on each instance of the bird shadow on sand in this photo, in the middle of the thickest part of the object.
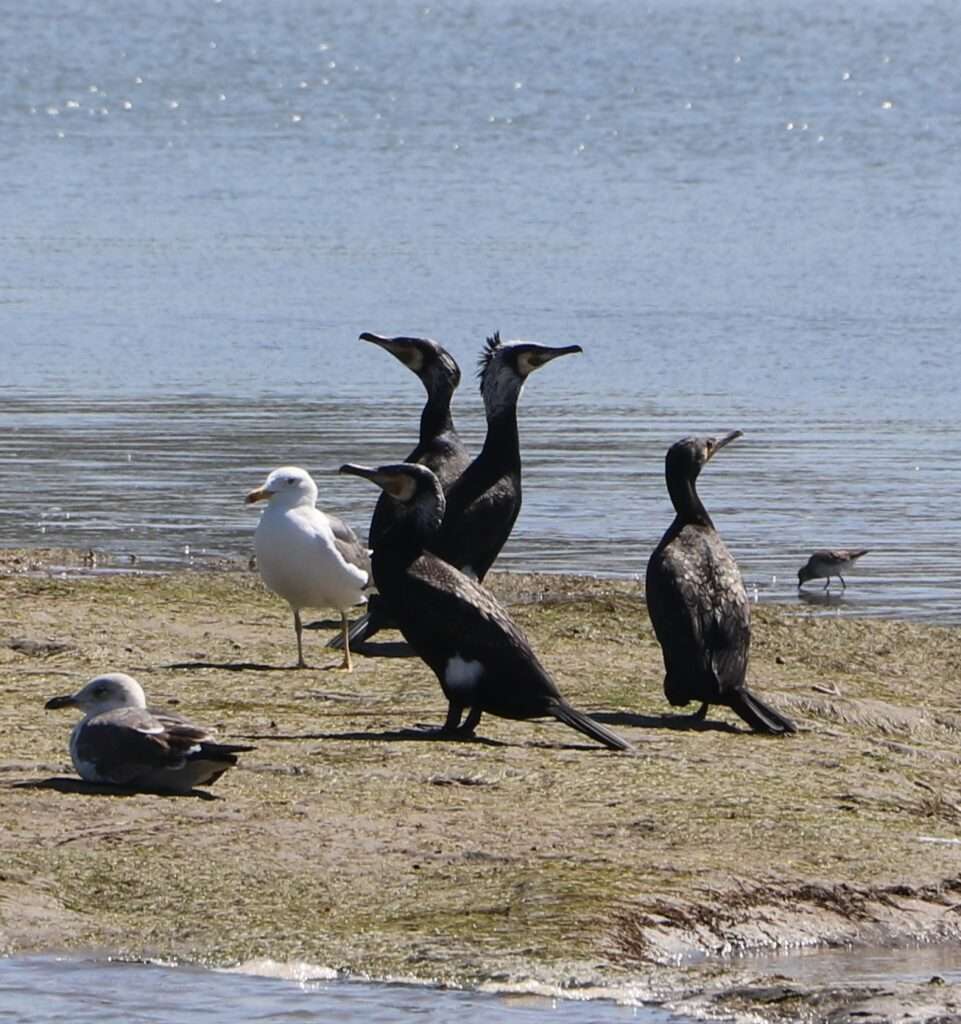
(248, 666)
(385, 649)
(323, 624)
(233, 666)
(386, 735)
(66, 784)
(677, 723)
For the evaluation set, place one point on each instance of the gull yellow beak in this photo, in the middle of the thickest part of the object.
(260, 494)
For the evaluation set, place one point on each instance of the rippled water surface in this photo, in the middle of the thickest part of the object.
(746, 212)
(85, 991)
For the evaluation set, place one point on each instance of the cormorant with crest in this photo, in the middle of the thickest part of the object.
(439, 447)
(481, 659)
(697, 602)
(483, 503)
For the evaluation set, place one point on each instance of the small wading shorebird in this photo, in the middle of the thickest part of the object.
(310, 559)
(697, 602)
(828, 563)
(481, 659)
(120, 742)
(439, 447)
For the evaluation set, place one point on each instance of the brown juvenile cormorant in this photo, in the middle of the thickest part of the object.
(828, 563)
(439, 448)
(697, 603)
(483, 503)
(481, 659)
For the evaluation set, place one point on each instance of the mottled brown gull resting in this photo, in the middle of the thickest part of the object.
(824, 563)
(121, 742)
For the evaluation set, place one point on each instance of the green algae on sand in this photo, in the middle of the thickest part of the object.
(348, 840)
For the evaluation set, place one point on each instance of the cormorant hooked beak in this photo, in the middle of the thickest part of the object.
(536, 356)
(67, 701)
(407, 350)
(723, 442)
(393, 480)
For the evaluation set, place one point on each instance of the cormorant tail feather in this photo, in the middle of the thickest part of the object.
(563, 712)
(759, 716)
(371, 622)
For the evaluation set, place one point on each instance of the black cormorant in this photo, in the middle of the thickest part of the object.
(828, 563)
(697, 603)
(439, 447)
(483, 503)
(482, 660)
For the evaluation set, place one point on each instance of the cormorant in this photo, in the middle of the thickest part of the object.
(481, 659)
(122, 743)
(439, 448)
(310, 559)
(483, 503)
(697, 603)
(828, 563)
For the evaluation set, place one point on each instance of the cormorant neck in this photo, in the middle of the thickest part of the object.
(411, 531)
(436, 418)
(687, 503)
(502, 441)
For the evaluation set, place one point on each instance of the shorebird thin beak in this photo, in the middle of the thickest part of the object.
(68, 701)
(260, 494)
(724, 441)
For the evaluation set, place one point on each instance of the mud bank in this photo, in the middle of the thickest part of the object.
(345, 839)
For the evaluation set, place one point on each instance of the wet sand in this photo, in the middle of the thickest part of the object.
(345, 839)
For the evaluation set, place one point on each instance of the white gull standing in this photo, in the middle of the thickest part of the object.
(310, 559)
(121, 742)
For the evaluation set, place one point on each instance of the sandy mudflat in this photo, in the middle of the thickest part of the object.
(346, 841)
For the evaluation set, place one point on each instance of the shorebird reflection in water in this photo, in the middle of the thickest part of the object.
(439, 447)
(826, 563)
(481, 659)
(697, 602)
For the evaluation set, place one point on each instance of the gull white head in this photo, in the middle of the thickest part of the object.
(287, 486)
(105, 693)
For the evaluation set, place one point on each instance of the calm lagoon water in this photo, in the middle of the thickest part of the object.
(746, 211)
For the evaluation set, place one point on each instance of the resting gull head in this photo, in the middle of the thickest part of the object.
(105, 693)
